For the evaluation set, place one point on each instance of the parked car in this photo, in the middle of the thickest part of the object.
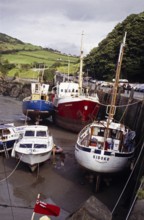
(141, 88)
(93, 80)
(107, 84)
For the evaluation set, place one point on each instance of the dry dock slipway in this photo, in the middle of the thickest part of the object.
(65, 184)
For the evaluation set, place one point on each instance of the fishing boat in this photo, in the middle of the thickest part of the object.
(34, 147)
(74, 107)
(38, 106)
(9, 134)
(106, 146)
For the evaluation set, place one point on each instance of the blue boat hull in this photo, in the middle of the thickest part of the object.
(7, 145)
(37, 108)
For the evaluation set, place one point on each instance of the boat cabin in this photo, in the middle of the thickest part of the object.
(34, 131)
(38, 133)
(30, 133)
(101, 137)
(68, 89)
(6, 131)
(107, 138)
(39, 91)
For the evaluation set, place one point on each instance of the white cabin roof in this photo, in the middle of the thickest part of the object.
(36, 127)
(38, 88)
(68, 88)
(112, 125)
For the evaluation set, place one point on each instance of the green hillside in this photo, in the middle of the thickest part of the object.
(39, 56)
(101, 61)
(9, 44)
(18, 58)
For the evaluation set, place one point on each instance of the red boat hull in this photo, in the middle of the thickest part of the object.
(75, 115)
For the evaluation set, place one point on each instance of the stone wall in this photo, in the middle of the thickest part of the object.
(92, 209)
(15, 89)
(129, 111)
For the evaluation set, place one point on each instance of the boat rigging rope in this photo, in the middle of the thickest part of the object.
(125, 110)
(12, 171)
(119, 106)
(128, 180)
(134, 200)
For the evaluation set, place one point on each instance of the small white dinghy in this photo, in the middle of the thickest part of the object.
(34, 147)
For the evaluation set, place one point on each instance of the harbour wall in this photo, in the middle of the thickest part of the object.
(129, 110)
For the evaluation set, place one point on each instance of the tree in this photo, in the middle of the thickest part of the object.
(5, 66)
(102, 60)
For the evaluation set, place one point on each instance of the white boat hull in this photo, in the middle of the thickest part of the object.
(35, 146)
(33, 159)
(101, 163)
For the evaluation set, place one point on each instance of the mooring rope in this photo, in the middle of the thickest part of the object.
(12, 171)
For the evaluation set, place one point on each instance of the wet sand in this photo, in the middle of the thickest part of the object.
(64, 184)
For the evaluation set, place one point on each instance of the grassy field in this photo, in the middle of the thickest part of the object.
(46, 58)
(26, 57)
(23, 73)
(40, 56)
(17, 46)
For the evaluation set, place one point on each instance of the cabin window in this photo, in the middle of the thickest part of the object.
(41, 134)
(0, 133)
(113, 134)
(36, 88)
(29, 133)
(26, 145)
(38, 146)
(101, 132)
(42, 97)
(6, 132)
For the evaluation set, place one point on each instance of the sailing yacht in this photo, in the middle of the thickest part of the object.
(106, 146)
(74, 107)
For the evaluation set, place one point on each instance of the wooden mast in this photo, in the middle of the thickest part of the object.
(81, 66)
(115, 87)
